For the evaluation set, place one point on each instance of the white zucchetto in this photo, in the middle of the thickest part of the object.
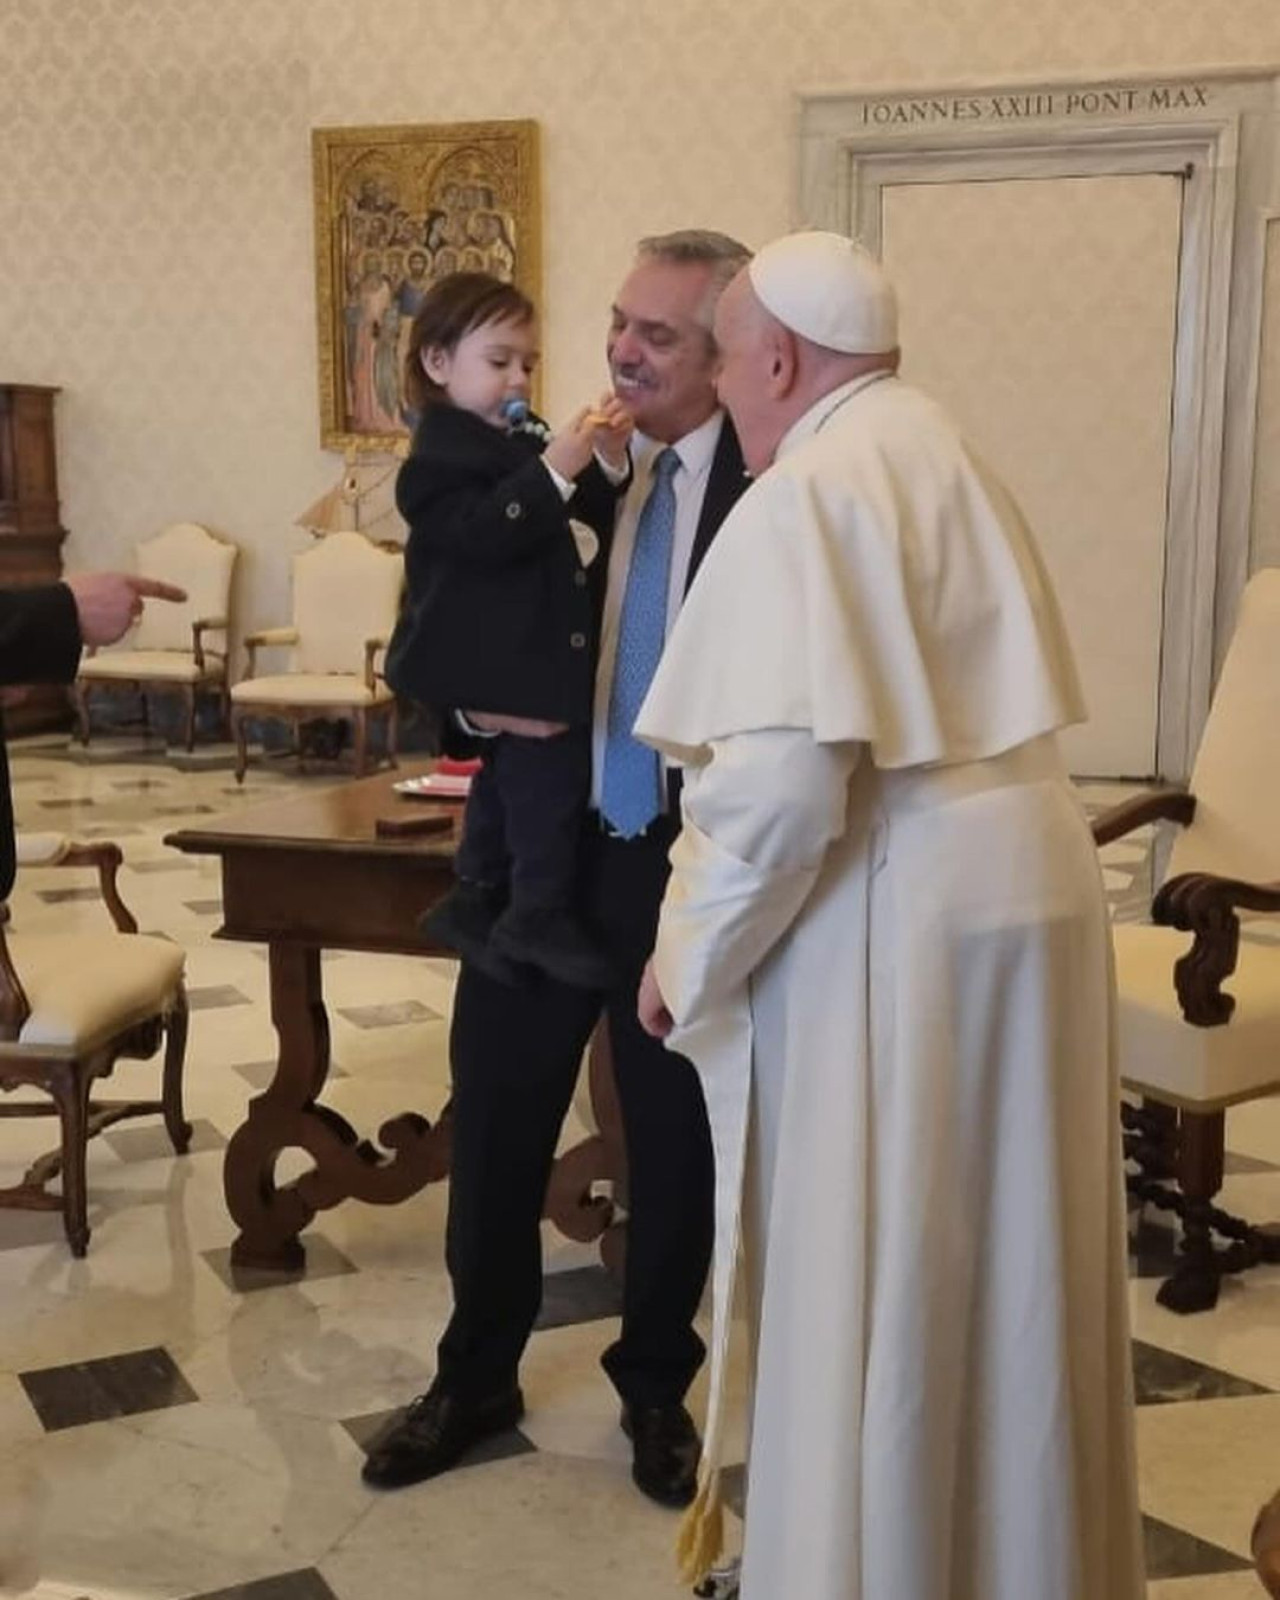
(828, 289)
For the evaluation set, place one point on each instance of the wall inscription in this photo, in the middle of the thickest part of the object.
(1035, 105)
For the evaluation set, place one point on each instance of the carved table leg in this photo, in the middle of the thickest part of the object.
(287, 1115)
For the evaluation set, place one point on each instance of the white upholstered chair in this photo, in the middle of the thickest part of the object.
(346, 597)
(1189, 1047)
(180, 648)
(73, 1002)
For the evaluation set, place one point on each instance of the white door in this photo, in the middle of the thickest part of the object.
(1042, 312)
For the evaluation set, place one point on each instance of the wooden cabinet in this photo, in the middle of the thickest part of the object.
(30, 533)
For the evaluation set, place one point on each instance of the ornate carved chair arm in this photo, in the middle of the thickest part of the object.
(15, 1008)
(265, 636)
(1164, 805)
(1266, 1546)
(107, 857)
(202, 626)
(371, 649)
(1207, 906)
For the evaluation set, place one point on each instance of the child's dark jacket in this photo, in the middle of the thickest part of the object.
(500, 614)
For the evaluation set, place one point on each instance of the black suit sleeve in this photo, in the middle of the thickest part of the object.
(456, 516)
(39, 635)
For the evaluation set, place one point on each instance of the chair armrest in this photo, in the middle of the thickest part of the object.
(1205, 905)
(107, 857)
(1265, 1544)
(57, 850)
(1165, 805)
(15, 1008)
(371, 648)
(264, 636)
(202, 626)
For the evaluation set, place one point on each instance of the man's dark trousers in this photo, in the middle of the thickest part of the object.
(516, 1055)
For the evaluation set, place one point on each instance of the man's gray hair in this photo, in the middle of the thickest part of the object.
(725, 256)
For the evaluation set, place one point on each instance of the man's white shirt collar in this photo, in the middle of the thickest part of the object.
(695, 450)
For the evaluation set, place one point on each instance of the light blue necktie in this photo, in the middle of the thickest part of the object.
(631, 786)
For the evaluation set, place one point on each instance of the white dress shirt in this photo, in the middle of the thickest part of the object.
(696, 451)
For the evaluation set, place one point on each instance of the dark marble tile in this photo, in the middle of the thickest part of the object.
(304, 1584)
(65, 805)
(1153, 1249)
(58, 897)
(1171, 1553)
(175, 864)
(1236, 1166)
(204, 908)
(324, 1260)
(1162, 1377)
(215, 996)
(259, 1074)
(367, 1430)
(733, 1486)
(21, 1229)
(115, 1386)
(394, 1015)
(147, 1143)
(583, 1294)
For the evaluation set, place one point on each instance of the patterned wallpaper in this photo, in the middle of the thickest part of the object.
(155, 201)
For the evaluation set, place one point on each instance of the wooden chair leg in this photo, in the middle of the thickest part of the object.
(80, 701)
(238, 734)
(393, 735)
(361, 740)
(69, 1086)
(175, 1050)
(189, 714)
(1201, 1153)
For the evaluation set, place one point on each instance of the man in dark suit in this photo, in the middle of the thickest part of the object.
(42, 632)
(516, 1051)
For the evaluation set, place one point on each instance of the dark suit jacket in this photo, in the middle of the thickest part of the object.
(500, 613)
(726, 480)
(39, 643)
(725, 483)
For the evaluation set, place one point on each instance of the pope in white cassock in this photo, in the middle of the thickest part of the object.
(885, 946)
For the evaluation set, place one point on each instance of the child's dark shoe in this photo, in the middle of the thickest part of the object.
(463, 921)
(552, 940)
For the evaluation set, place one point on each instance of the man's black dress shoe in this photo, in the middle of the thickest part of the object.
(435, 1432)
(666, 1449)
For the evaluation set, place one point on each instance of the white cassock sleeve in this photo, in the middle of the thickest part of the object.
(759, 817)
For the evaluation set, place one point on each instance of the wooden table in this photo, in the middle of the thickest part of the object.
(307, 874)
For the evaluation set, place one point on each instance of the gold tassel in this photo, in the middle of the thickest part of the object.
(701, 1537)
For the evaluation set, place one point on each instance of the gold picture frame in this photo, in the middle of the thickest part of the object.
(396, 208)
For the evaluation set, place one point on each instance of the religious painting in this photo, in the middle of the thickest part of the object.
(396, 209)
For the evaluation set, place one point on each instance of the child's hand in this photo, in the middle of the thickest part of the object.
(611, 430)
(572, 446)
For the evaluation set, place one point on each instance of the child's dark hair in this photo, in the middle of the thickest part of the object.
(452, 308)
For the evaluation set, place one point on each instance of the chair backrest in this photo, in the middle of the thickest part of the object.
(1236, 779)
(190, 556)
(346, 590)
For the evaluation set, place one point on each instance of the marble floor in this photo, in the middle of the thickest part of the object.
(163, 1435)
